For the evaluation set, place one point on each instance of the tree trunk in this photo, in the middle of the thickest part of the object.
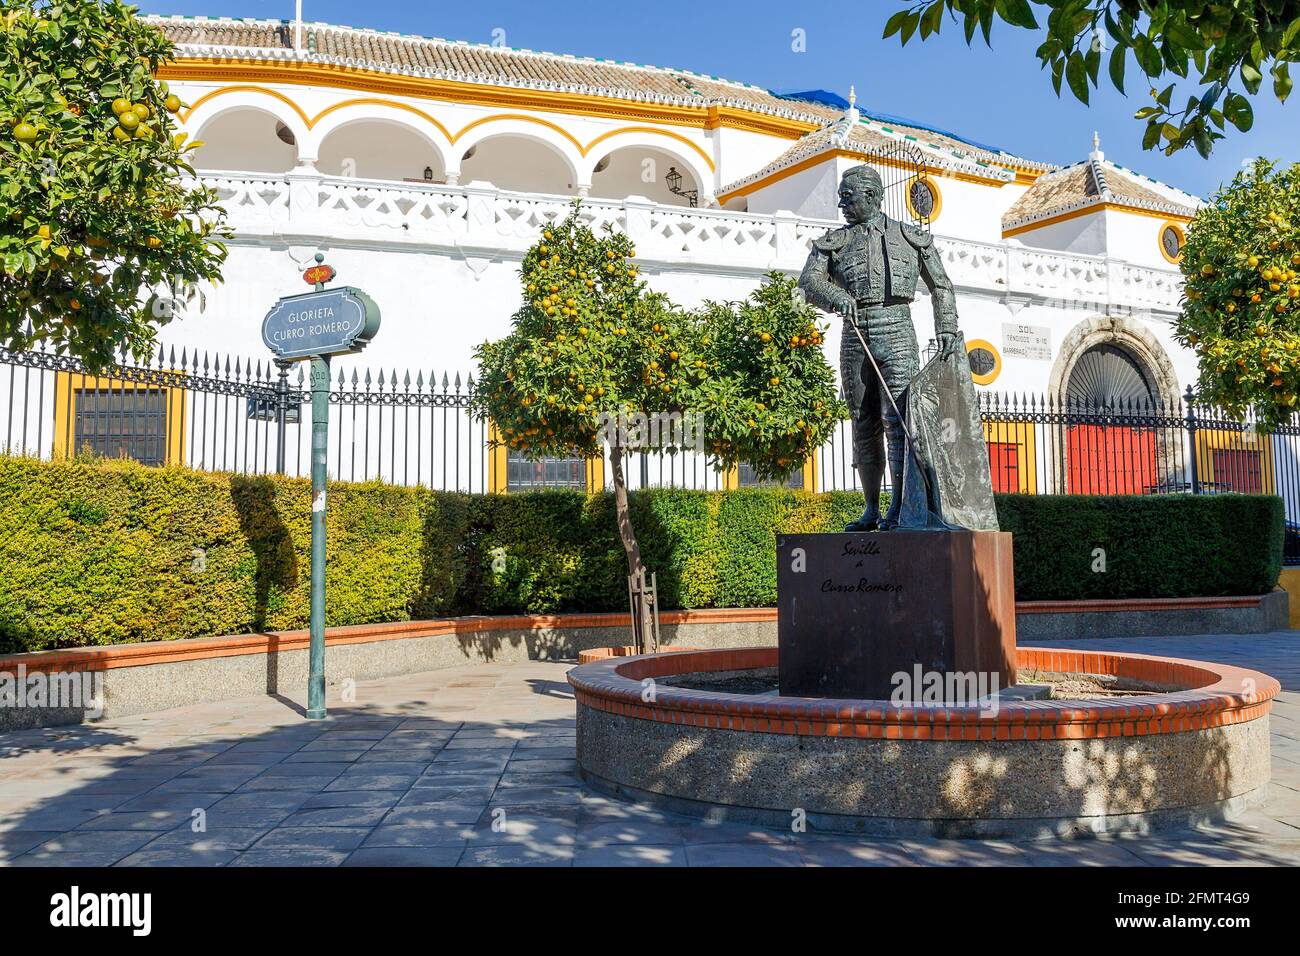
(627, 535)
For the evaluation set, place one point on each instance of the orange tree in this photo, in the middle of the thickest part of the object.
(93, 213)
(768, 397)
(1241, 311)
(595, 359)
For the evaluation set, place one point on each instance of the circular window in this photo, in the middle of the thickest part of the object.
(1172, 240)
(923, 200)
(985, 362)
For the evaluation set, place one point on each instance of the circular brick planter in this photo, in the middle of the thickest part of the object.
(1032, 768)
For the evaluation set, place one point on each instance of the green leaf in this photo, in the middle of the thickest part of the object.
(1238, 111)
(909, 26)
(1076, 74)
(932, 19)
(1152, 135)
(895, 23)
(1017, 13)
(1251, 78)
(1282, 81)
(1148, 56)
(1118, 60)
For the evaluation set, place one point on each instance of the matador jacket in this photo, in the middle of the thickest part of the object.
(850, 263)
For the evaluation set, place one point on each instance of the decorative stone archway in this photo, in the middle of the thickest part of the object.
(1126, 334)
(1167, 454)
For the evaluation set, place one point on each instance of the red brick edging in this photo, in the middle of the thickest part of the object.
(1215, 695)
(231, 645)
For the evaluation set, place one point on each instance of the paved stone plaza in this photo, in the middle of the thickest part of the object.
(418, 769)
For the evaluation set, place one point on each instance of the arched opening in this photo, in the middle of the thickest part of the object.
(517, 163)
(1112, 442)
(1107, 377)
(379, 149)
(246, 139)
(645, 171)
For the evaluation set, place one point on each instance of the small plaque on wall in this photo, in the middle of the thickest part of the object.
(1027, 341)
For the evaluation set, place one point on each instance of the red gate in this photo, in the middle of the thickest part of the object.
(1110, 459)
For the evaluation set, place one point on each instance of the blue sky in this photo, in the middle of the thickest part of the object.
(999, 96)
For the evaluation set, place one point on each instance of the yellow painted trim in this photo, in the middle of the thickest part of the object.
(810, 475)
(935, 195)
(498, 472)
(1182, 240)
(451, 137)
(657, 132)
(496, 460)
(780, 174)
(523, 118)
(1209, 440)
(209, 70)
(1088, 211)
(731, 479)
(371, 101)
(595, 474)
(1289, 581)
(244, 88)
(1023, 436)
(249, 72)
(68, 387)
(972, 344)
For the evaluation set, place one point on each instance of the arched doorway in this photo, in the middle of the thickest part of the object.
(1111, 438)
(380, 149)
(645, 171)
(518, 163)
(245, 139)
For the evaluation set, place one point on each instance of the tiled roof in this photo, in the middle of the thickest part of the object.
(1094, 182)
(852, 134)
(504, 66)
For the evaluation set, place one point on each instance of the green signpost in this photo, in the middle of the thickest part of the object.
(316, 326)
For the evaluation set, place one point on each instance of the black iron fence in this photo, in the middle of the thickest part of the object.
(414, 427)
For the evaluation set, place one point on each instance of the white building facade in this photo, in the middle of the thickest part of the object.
(422, 169)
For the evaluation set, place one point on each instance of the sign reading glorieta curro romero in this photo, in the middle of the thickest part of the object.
(326, 322)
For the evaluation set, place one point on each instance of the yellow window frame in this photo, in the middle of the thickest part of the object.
(498, 471)
(68, 390)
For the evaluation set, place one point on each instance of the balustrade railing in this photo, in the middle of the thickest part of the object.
(304, 204)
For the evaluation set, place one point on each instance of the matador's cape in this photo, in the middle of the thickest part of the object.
(953, 488)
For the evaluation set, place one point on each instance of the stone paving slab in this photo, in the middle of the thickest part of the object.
(474, 766)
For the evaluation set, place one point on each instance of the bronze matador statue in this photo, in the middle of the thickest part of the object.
(867, 272)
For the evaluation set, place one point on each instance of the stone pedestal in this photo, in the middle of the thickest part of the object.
(854, 610)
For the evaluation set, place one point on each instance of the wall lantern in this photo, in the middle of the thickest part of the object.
(674, 181)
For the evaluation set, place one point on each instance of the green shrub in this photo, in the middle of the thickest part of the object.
(111, 552)
(1148, 545)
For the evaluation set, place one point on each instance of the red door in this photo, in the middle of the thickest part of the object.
(1004, 466)
(1238, 469)
(1110, 460)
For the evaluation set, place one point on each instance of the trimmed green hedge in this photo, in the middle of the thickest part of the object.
(105, 553)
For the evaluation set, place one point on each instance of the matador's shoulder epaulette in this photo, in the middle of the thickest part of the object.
(833, 241)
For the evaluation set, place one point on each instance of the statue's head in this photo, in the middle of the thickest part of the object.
(861, 192)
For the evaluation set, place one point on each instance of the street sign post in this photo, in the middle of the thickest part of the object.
(318, 325)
